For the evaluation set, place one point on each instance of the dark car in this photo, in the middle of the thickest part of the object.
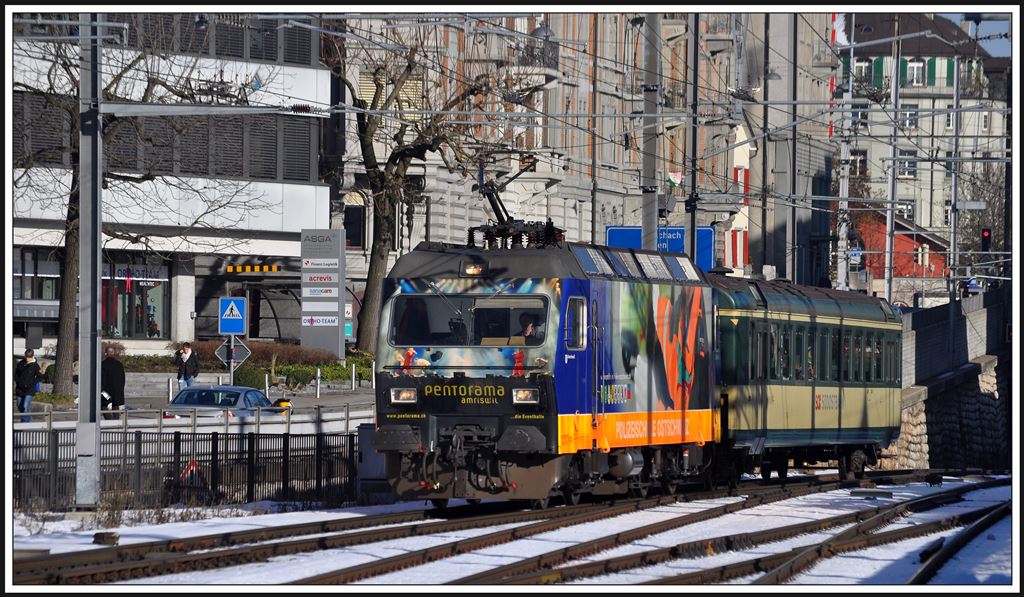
(238, 401)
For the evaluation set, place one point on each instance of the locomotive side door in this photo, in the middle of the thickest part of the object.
(574, 374)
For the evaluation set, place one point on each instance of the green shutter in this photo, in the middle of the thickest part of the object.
(903, 72)
(876, 70)
(949, 72)
(846, 67)
(931, 73)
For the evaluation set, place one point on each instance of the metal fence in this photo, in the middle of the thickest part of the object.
(140, 469)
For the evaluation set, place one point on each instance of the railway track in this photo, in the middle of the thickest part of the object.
(224, 550)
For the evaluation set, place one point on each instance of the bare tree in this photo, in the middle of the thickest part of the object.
(149, 200)
(985, 183)
(405, 124)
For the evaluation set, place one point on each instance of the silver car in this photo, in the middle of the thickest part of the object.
(237, 401)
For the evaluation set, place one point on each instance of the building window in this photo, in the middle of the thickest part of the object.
(355, 220)
(915, 73)
(36, 274)
(858, 162)
(136, 299)
(907, 168)
(908, 116)
(947, 216)
(984, 121)
(860, 116)
(862, 70)
(950, 116)
(905, 208)
(949, 164)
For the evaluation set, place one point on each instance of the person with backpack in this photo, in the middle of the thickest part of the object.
(27, 376)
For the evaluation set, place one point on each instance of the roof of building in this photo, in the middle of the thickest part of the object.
(882, 25)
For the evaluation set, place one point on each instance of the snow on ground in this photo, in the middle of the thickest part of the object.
(987, 560)
(815, 506)
(894, 563)
(61, 534)
(290, 568)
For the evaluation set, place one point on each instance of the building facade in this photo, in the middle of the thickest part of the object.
(186, 198)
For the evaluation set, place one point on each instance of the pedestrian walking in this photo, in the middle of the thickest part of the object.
(112, 383)
(188, 366)
(27, 376)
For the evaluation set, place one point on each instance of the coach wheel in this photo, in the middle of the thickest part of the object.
(857, 461)
(439, 503)
(766, 470)
(668, 487)
(539, 504)
(781, 465)
(571, 496)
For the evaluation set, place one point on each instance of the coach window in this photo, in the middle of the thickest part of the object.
(845, 354)
(786, 352)
(773, 351)
(798, 355)
(878, 359)
(858, 357)
(869, 357)
(576, 324)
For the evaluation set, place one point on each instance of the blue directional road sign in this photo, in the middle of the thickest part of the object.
(232, 316)
(670, 238)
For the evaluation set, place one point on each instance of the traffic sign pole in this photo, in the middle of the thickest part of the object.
(231, 360)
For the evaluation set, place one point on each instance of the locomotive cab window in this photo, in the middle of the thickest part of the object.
(576, 323)
(463, 320)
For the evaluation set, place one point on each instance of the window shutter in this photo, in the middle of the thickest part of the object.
(949, 72)
(263, 147)
(227, 145)
(194, 140)
(930, 81)
(297, 45)
(296, 148)
(18, 126)
(903, 72)
(158, 145)
(877, 71)
(263, 41)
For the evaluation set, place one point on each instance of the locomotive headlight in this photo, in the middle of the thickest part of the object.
(403, 396)
(525, 396)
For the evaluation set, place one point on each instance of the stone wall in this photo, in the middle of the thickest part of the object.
(957, 420)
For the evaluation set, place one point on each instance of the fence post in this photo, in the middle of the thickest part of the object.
(259, 411)
(350, 468)
(318, 383)
(214, 464)
(288, 420)
(177, 456)
(220, 380)
(138, 465)
(346, 417)
(353, 376)
(285, 480)
(266, 385)
(52, 450)
(170, 389)
(373, 375)
(250, 489)
(318, 465)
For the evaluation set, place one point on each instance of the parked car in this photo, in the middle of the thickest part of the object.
(212, 401)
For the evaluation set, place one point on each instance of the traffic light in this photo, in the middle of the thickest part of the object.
(986, 239)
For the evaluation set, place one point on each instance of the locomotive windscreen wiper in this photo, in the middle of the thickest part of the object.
(445, 299)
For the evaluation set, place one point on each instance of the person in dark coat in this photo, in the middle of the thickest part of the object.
(27, 376)
(188, 366)
(112, 382)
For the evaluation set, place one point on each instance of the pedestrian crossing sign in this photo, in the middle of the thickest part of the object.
(231, 316)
